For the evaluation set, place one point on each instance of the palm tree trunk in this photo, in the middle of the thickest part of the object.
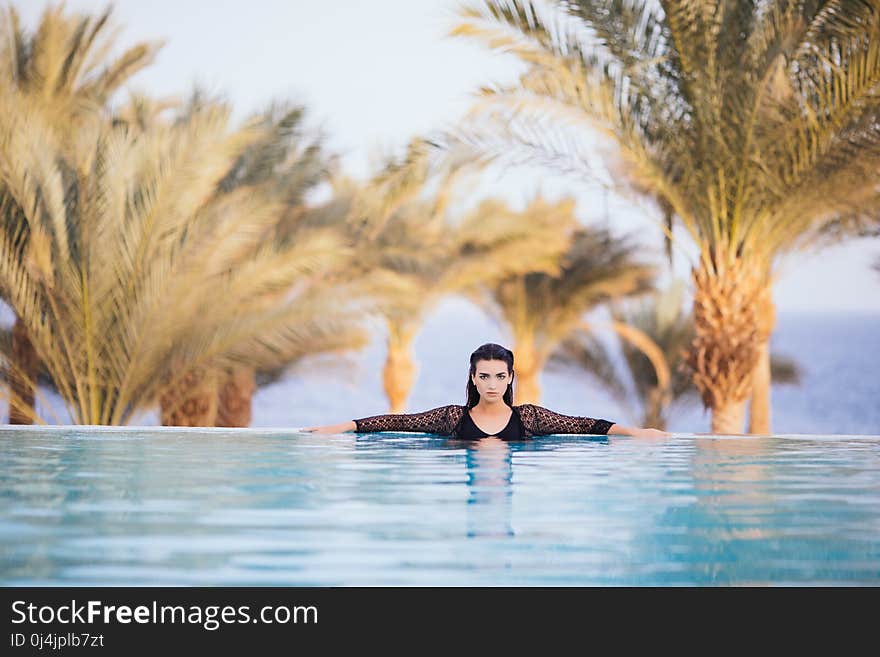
(236, 393)
(23, 377)
(192, 402)
(655, 408)
(725, 349)
(659, 396)
(400, 369)
(729, 418)
(527, 372)
(760, 407)
(643, 342)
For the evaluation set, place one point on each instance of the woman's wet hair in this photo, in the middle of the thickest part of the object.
(490, 351)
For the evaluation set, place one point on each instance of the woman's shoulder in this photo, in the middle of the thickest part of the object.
(449, 410)
(531, 412)
(454, 413)
(446, 408)
(450, 407)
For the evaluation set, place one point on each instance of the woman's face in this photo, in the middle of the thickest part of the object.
(491, 379)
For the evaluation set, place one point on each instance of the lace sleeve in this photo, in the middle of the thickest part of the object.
(440, 420)
(540, 421)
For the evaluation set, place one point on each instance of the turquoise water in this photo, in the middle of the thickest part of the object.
(157, 506)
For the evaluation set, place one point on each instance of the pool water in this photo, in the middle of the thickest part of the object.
(168, 506)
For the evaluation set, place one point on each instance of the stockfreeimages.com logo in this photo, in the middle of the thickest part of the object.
(211, 617)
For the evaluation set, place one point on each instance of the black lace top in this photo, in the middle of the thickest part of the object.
(447, 421)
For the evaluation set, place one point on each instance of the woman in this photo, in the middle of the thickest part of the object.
(489, 410)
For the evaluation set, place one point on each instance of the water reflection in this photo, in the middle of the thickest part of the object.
(770, 511)
(734, 506)
(732, 477)
(489, 475)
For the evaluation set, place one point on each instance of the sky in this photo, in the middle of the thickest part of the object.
(375, 74)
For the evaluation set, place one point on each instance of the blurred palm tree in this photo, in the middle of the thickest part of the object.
(65, 66)
(755, 123)
(283, 165)
(134, 274)
(638, 388)
(77, 92)
(405, 231)
(66, 71)
(542, 309)
(491, 243)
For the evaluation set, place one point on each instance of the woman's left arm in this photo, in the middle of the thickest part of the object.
(543, 421)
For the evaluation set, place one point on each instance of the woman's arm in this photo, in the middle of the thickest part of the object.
(543, 421)
(438, 420)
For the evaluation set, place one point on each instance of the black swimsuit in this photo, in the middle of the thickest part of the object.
(454, 420)
(468, 429)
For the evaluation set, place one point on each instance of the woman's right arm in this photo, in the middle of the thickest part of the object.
(438, 420)
(342, 427)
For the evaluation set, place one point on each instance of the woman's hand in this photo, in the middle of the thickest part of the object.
(637, 432)
(649, 433)
(325, 429)
(342, 427)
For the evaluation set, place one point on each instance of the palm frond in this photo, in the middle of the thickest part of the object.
(162, 273)
(754, 122)
(582, 353)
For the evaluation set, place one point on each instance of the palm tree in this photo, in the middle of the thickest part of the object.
(283, 165)
(404, 231)
(65, 65)
(78, 94)
(65, 70)
(541, 310)
(130, 279)
(638, 388)
(755, 122)
(491, 243)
